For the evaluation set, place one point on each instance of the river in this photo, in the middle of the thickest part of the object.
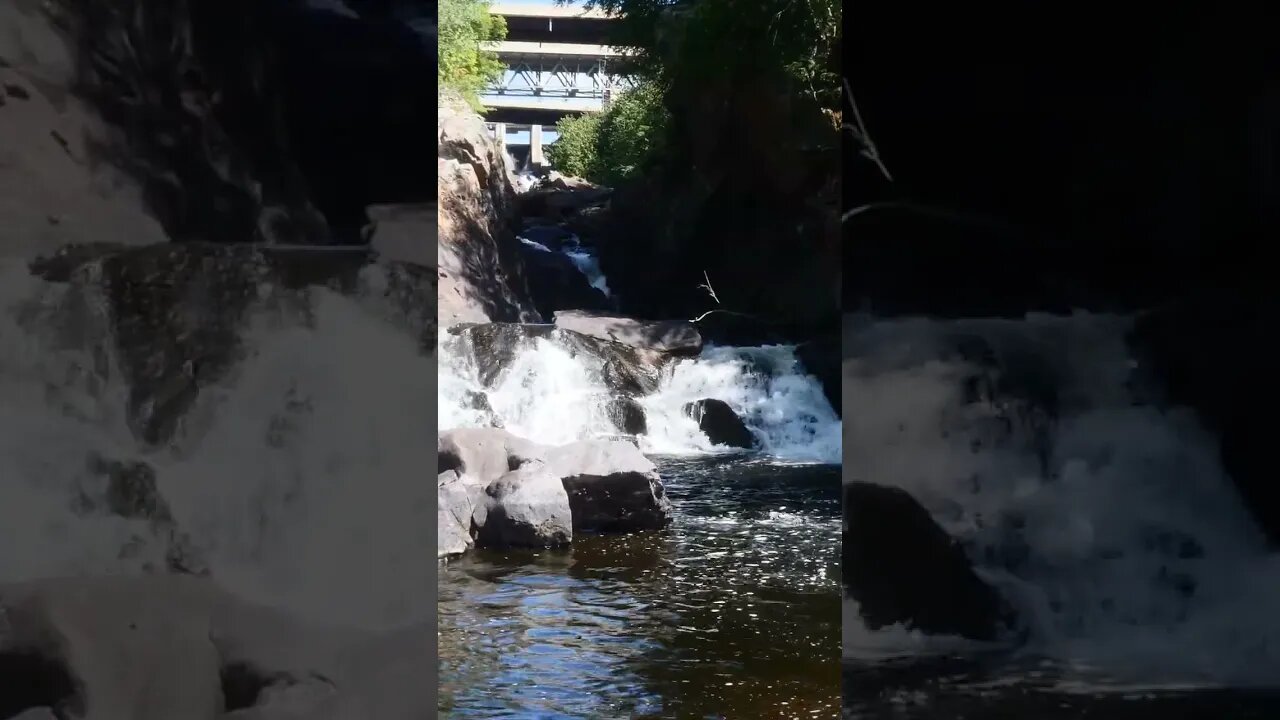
(731, 612)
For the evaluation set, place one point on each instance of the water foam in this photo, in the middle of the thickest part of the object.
(550, 396)
(297, 475)
(1113, 529)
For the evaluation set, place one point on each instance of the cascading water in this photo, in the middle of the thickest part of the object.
(549, 395)
(1107, 521)
(297, 476)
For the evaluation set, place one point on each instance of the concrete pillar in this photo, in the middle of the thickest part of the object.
(535, 145)
(500, 134)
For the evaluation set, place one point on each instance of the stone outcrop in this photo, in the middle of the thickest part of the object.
(482, 277)
(720, 423)
(499, 490)
(902, 567)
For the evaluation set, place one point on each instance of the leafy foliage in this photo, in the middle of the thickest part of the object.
(694, 39)
(463, 65)
(614, 146)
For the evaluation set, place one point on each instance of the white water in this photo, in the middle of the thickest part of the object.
(1089, 553)
(583, 259)
(550, 397)
(299, 475)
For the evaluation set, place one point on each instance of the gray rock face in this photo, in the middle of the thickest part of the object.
(612, 487)
(453, 515)
(481, 272)
(720, 423)
(530, 509)
(505, 491)
(902, 567)
(667, 337)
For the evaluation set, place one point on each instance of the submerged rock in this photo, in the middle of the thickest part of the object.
(902, 567)
(720, 423)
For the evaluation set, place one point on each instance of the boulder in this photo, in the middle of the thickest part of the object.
(902, 567)
(529, 508)
(482, 455)
(664, 337)
(611, 487)
(494, 487)
(627, 415)
(720, 423)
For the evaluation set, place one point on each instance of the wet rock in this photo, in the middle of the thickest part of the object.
(555, 282)
(665, 337)
(720, 423)
(492, 348)
(131, 492)
(530, 508)
(902, 567)
(627, 415)
(611, 487)
(605, 485)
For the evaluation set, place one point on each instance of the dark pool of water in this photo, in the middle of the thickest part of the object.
(733, 612)
(989, 689)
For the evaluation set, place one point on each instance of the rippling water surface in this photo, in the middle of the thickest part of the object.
(733, 612)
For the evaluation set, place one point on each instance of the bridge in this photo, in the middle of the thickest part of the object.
(556, 65)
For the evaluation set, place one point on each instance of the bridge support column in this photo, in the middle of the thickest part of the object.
(535, 145)
(500, 134)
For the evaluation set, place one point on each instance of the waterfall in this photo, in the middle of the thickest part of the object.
(1106, 519)
(551, 396)
(297, 475)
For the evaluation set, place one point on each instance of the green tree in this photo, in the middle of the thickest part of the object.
(685, 39)
(616, 145)
(462, 63)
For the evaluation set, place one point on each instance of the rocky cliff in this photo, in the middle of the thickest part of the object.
(481, 274)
